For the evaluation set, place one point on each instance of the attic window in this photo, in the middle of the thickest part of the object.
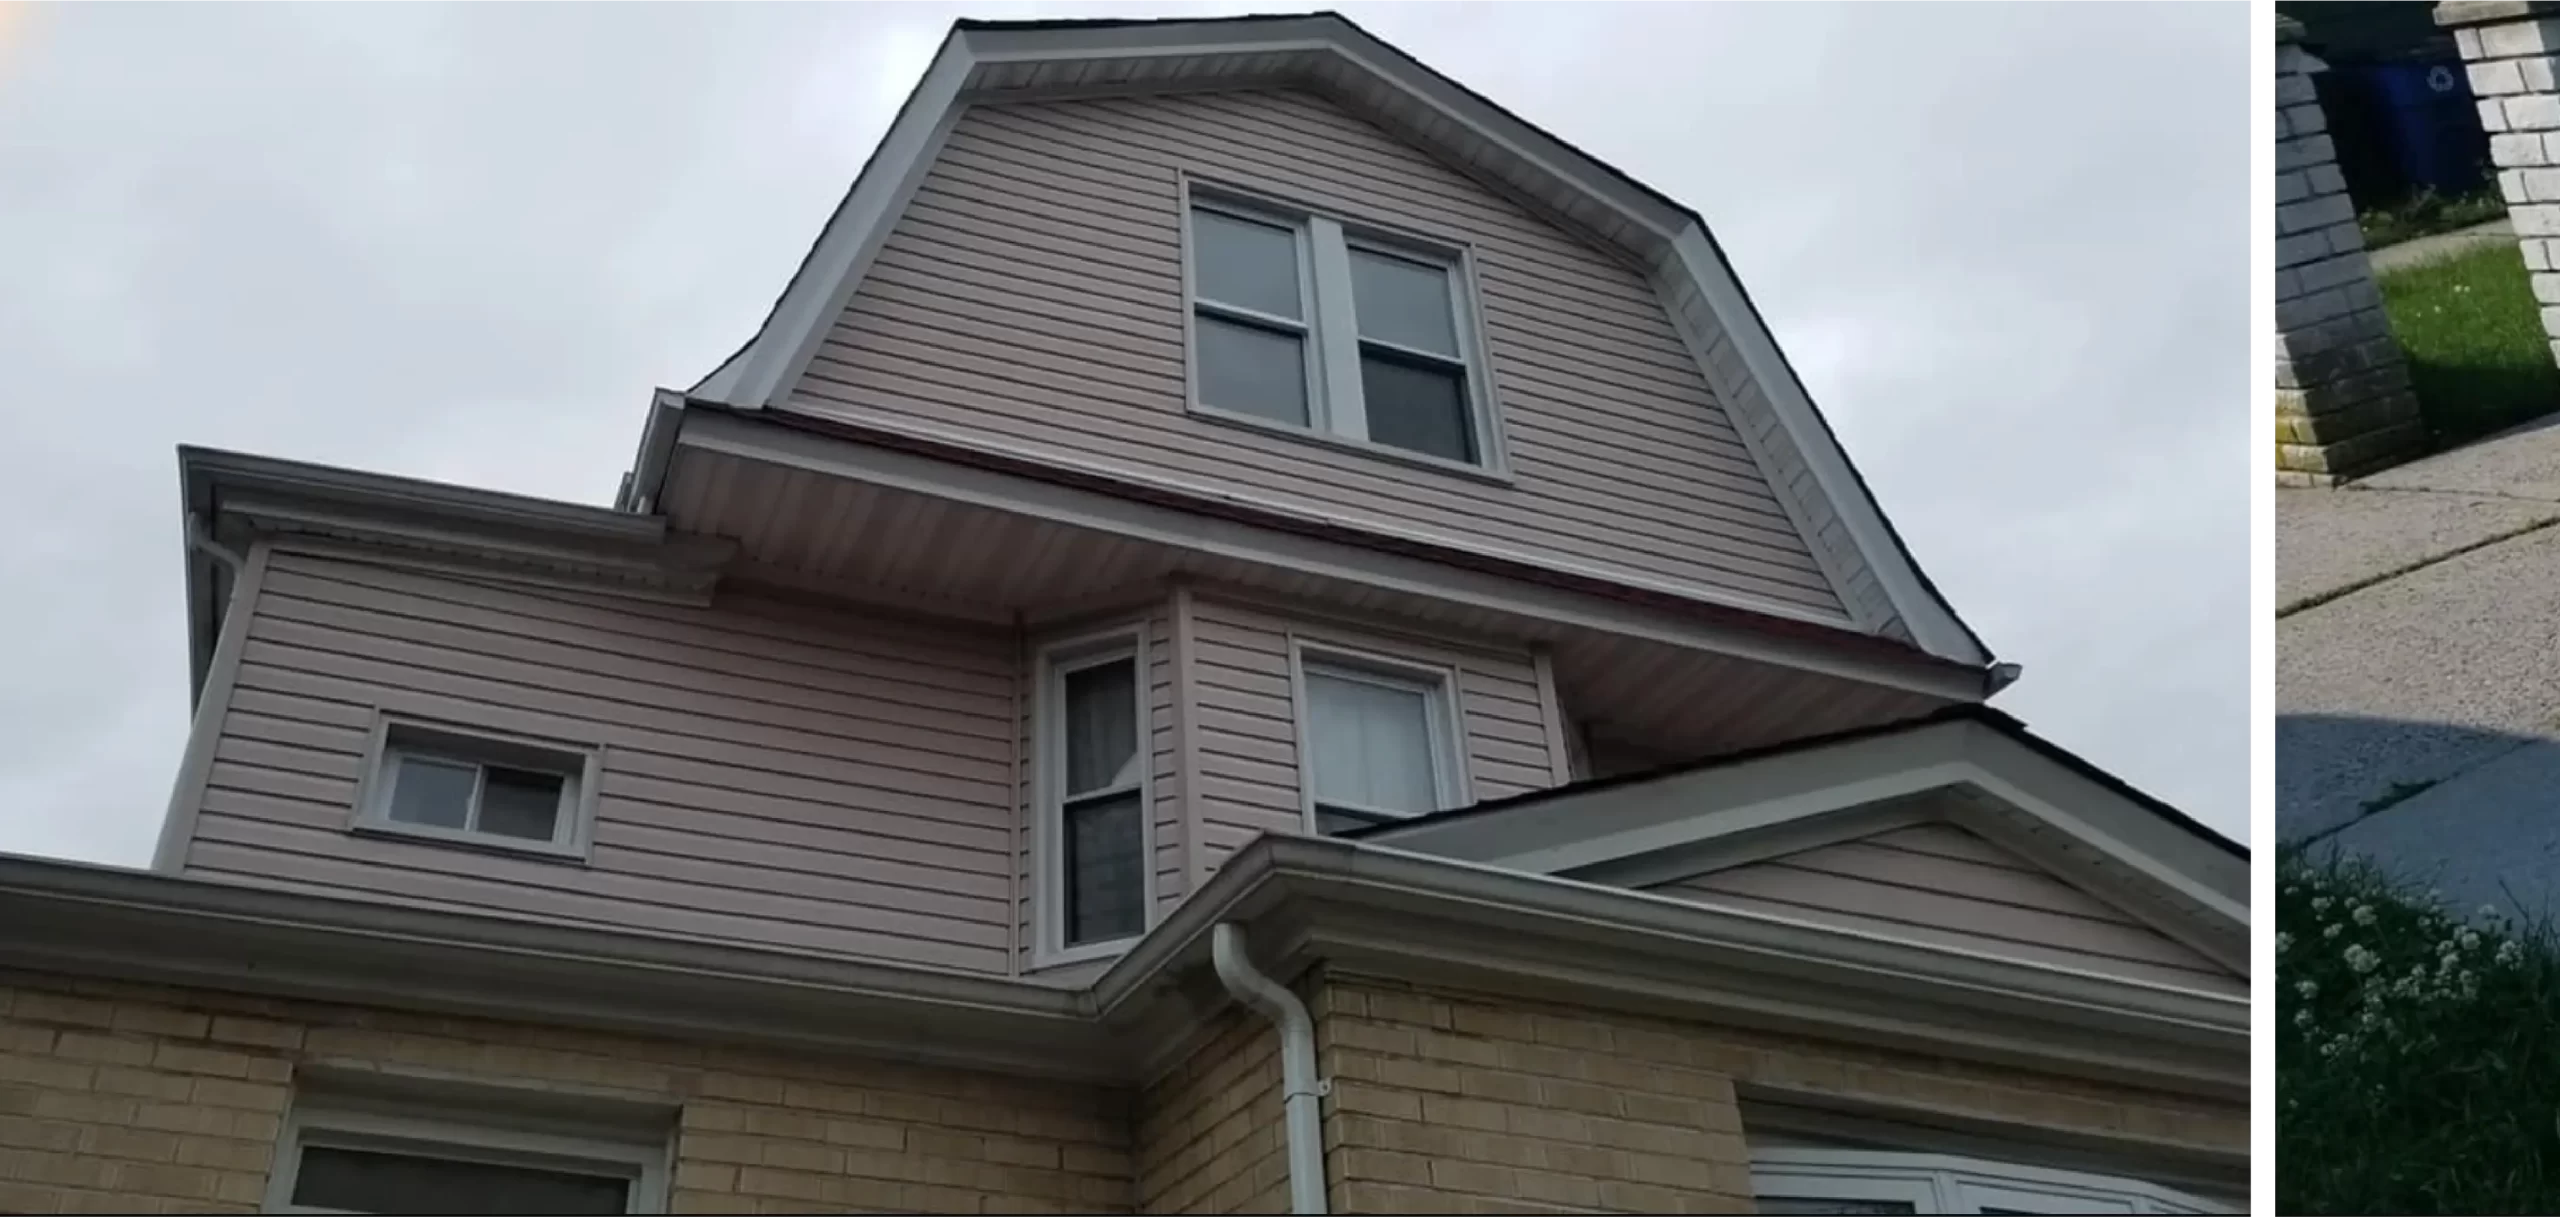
(1302, 322)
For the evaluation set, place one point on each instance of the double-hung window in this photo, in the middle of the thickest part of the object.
(1093, 826)
(1380, 741)
(465, 786)
(1303, 322)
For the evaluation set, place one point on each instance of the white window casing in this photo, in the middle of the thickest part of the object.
(1819, 1180)
(450, 784)
(1092, 768)
(1415, 332)
(483, 1160)
(1379, 738)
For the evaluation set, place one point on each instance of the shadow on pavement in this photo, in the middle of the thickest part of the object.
(2472, 812)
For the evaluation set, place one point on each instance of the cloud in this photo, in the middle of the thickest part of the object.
(2006, 245)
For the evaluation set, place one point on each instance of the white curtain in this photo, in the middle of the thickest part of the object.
(1372, 744)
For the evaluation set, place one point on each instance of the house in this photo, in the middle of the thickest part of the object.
(1253, 633)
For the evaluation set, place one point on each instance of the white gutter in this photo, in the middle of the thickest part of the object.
(1299, 1087)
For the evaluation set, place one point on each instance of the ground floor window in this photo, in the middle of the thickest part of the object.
(1864, 1182)
(378, 1159)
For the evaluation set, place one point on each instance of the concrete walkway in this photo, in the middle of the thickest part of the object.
(2443, 245)
(2418, 670)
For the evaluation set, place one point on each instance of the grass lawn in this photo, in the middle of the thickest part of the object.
(2478, 358)
(2427, 213)
(2417, 1057)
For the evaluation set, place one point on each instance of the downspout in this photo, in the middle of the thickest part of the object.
(1298, 1085)
(200, 539)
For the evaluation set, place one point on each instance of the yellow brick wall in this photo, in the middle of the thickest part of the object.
(1209, 1136)
(1451, 1103)
(121, 1098)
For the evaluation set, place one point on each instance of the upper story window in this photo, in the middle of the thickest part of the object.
(466, 786)
(1381, 740)
(1301, 321)
(1092, 800)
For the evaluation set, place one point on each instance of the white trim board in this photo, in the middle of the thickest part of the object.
(1808, 470)
(1714, 816)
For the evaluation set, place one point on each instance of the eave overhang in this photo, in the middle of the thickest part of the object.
(1306, 901)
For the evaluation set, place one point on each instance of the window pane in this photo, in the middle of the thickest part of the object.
(520, 803)
(1403, 302)
(1106, 887)
(1804, 1204)
(436, 793)
(1252, 370)
(1245, 264)
(1102, 726)
(1418, 407)
(363, 1181)
(1372, 744)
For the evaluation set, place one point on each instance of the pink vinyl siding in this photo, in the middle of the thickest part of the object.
(1245, 718)
(1938, 883)
(1031, 297)
(821, 781)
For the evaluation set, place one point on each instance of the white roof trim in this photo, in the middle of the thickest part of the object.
(2181, 885)
(1875, 577)
(1303, 899)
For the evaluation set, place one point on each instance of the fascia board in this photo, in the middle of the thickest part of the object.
(853, 235)
(1932, 623)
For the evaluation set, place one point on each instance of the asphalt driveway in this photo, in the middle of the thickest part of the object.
(2418, 670)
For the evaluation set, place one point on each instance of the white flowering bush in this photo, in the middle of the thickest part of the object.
(2417, 1051)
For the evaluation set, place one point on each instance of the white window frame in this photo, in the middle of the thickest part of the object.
(371, 1127)
(1445, 718)
(1049, 780)
(397, 736)
(1337, 412)
(1942, 1183)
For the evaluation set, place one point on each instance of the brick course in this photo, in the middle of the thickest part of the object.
(1209, 1133)
(124, 1098)
(1453, 1103)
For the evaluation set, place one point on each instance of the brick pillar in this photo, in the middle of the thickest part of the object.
(2511, 50)
(2343, 406)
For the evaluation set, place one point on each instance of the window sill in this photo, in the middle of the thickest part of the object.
(1068, 957)
(1496, 475)
(531, 851)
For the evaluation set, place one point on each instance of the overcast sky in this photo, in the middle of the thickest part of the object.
(2007, 246)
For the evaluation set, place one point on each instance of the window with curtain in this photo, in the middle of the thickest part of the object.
(1378, 746)
(1099, 819)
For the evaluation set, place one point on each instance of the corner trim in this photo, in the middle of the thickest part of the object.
(204, 734)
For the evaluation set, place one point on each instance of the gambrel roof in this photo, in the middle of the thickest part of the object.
(987, 61)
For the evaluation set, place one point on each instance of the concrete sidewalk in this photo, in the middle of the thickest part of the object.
(2418, 669)
(2443, 245)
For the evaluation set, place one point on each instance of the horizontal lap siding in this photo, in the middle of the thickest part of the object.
(1246, 719)
(1938, 883)
(834, 784)
(1032, 294)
